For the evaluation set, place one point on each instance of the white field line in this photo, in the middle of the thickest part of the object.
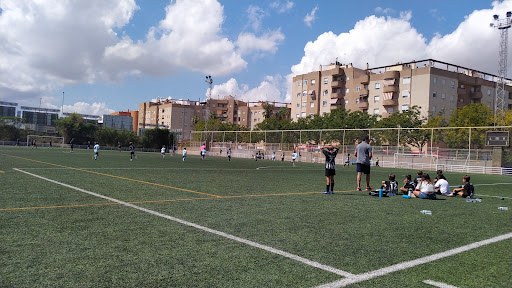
(491, 196)
(174, 168)
(439, 284)
(409, 264)
(219, 233)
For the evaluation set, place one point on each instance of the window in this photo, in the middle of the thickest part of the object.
(358, 100)
(489, 92)
(443, 95)
(434, 94)
(311, 115)
(298, 83)
(298, 104)
(377, 85)
(358, 88)
(443, 81)
(303, 115)
(452, 98)
(433, 108)
(243, 119)
(312, 104)
(406, 94)
(326, 92)
(304, 93)
(389, 110)
(405, 107)
(313, 81)
(348, 78)
(406, 80)
(434, 80)
(305, 82)
(303, 104)
(298, 94)
(297, 116)
(347, 90)
(452, 84)
(376, 111)
(326, 80)
(324, 103)
(376, 99)
(346, 102)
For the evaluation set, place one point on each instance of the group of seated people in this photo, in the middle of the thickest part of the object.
(425, 188)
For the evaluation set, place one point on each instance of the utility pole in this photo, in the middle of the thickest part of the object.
(502, 25)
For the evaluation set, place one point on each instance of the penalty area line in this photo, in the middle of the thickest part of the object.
(203, 228)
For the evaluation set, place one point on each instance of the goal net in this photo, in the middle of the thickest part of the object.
(44, 141)
(416, 161)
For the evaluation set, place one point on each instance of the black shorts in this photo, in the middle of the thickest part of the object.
(132, 152)
(363, 168)
(96, 153)
(330, 172)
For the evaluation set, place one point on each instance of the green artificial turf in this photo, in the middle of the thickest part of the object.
(56, 236)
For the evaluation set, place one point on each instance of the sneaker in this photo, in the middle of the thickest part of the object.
(369, 188)
(332, 192)
(325, 192)
(358, 188)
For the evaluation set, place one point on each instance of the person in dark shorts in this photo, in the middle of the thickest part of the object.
(71, 145)
(330, 153)
(132, 152)
(364, 155)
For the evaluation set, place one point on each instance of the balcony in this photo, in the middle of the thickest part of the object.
(363, 105)
(390, 89)
(391, 75)
(390, 102)
(363, 92)
(335, 95)
(476, 95)
(365, 79)
(461, 91)
(337, 71)
(336, 83)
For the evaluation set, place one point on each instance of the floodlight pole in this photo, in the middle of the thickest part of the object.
(209, 81)
(502, 25)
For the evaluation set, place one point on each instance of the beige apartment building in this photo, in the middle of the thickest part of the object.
(179, 115)
(434, 86)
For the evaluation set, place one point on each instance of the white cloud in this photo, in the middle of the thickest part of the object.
(249, 43)
(255, 15)
(48, 44)
(380, 10)
(282, 6)
(310, 17)
(90, 109)
(268, 90)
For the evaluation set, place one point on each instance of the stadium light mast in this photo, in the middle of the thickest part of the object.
(209, 81)
(502, 25)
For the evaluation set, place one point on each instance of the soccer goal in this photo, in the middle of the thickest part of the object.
(44, 141)
(415, 161)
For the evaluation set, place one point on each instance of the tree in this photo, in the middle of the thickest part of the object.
(473, 115)
(155, 138)
(283, 113)
(269, 109)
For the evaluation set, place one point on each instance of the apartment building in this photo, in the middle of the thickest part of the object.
(134, 115)
(179, 115)
(434, 86)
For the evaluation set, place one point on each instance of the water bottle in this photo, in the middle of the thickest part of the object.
(380, 192)
(478, 200)
(427, 212)
(406, 196)
(469, 200)
(502, 208)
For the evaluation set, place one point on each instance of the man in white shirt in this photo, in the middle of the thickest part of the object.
(96, 150)
(442, 187)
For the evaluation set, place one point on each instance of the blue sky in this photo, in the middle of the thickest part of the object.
(112, 55)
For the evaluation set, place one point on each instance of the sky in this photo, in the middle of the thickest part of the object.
(101, 56)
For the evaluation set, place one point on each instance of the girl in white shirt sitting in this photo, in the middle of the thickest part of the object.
(425, 188)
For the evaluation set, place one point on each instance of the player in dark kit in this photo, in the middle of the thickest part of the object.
(330, 153)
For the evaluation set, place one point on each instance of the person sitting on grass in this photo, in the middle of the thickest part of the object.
(441, 185)
(465, 190)
(425, 188)
(416, 180)
(408, 187)
(389, 186)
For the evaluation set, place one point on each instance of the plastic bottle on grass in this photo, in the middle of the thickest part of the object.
(427, 212)
(502, 208)
(380, 192)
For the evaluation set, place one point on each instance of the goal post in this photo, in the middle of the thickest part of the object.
(44, 141)
(416, 161)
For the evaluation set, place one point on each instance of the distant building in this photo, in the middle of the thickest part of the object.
(7, 109)
(118, 122)
(134, 116)
(179, 115)
(434, 86)
(87, 118)
(39, 119)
